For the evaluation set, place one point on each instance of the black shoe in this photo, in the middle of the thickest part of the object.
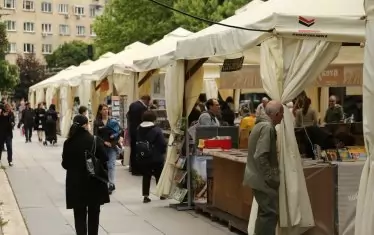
(146, 200)
(30, 140)
(112, 187)
(45, 143)
(162, 198)
(10, 163)
(27, 141)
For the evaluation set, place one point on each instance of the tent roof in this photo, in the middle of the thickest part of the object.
(101, 68)
(333, 20)
(161, 53)
(53, 78)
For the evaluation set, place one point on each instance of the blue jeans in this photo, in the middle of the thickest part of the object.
(8, 144)
(112, 155)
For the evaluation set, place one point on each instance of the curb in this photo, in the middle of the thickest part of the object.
(9, 210)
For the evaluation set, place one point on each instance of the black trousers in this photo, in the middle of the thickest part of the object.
(135, 168)
(267, 216)
(8, 143)
(149, 170)
(28, 132)
(87, 220)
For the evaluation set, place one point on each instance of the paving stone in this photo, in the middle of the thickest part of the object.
(38, 182)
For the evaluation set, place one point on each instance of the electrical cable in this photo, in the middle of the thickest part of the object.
(208, 21)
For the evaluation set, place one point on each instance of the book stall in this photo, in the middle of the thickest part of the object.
(332, 180)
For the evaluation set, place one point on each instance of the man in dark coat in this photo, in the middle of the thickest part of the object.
(28, 122)
(134, 118)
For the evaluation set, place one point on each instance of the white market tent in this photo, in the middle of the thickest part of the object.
(37, 93)
(299, 40)
(365, 212)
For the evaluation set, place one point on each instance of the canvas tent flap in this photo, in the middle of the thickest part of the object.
(308, 19)
(365, 211)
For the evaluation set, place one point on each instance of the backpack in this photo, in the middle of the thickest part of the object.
(144, 147)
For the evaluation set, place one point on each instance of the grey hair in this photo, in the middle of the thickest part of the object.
(273, 107)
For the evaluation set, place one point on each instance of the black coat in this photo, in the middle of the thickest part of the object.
(153, 134)
(6, 125)
(81, 189)
(27, 117)
(40, 119)
(134, 116)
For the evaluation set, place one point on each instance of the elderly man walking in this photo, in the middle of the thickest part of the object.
(262, 169)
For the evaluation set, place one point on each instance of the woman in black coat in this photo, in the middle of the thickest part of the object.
(51, 117)
(40, 121)
(84, 193)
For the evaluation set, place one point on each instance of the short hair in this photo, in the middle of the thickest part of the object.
(149, 116)
(229, 100)
(145, 97)
(82, 109)
(265, 99)
(210, 103)
(273, 107)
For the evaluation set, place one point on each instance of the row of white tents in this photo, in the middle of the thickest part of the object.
(298, 38)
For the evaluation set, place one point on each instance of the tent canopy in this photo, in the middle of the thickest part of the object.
(101, 69)
(307, 19)
(161, 53)
(55, 77)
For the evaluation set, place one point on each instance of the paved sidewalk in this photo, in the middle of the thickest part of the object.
(38, 179)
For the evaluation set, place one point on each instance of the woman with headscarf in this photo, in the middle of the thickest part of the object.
(85, 193)
(50, 125)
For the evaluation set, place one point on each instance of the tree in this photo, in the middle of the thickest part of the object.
(31, 72)
(126, 21)
(8, 72)
(67, 54)
(213, 10)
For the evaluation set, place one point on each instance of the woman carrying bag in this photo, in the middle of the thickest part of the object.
(86, 191)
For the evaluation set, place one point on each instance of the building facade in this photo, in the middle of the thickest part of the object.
(40, 26)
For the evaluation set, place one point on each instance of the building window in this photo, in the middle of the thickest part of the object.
(10, 25)
(92, 11)
(47, 28)
(63, 8)
(12, 47)
(10, 4)
(28, 5)
(81, 30)
(28, 27)
(47, 7)
(92, 32)
(79, 11)
(46, 48)
(64, 29)
(28, 48)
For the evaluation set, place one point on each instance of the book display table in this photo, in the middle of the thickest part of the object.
(231, 201)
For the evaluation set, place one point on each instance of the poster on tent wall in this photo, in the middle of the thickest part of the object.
(123, 103)
(158, 86)
(348, 178)
(116, 108)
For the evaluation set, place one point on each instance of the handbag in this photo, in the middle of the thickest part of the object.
(93, 164)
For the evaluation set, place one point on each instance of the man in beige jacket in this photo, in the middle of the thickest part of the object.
(262, 169)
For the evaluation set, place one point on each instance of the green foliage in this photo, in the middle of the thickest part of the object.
(67, 54)
(31, 72)
(203, 9)
(8, 72)
(126, 21)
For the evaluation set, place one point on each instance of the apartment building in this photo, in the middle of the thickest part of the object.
(40, 26)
